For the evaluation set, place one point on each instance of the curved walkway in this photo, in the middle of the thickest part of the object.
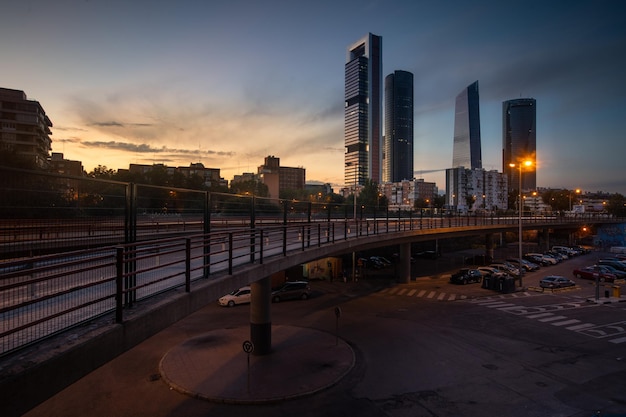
(214, 366)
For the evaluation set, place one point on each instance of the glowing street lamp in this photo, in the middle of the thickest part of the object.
(526, 163)
(570, 198)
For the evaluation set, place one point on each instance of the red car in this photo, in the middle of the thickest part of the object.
(590, 272)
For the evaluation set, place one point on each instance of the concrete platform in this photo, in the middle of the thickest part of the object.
(214, 366)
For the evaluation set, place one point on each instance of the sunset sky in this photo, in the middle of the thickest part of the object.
(229, 82)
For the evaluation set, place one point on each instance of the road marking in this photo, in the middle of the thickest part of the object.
(431, 295)
(619, 340)
(452, 297)
(410, 294)
(402, 291)
(393, 290)
(565, 323)
(499, 305)
(536, 316)
(549, 319)
(581, 326)
(421, 293)
(441, 296)
(493, 303)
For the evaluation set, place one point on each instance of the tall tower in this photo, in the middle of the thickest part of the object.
(398, 139)
(466, 151)
(519, 141)
(363, 108)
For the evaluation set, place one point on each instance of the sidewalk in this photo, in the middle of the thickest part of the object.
(214, 366)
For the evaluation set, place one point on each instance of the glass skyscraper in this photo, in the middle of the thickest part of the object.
(466, 151)
(519, 141)
(363, 109)
(398, 139)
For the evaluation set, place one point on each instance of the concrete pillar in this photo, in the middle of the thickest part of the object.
(260, 316)
(546, 239)
(489, 246)
(405, 263)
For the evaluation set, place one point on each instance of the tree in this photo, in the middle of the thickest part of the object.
(370, 195)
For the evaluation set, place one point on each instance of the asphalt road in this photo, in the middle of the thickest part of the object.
(427, 348)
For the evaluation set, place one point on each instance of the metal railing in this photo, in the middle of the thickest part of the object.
(62, 265)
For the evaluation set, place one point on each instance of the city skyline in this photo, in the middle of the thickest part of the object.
(467, 147)
(228, 83)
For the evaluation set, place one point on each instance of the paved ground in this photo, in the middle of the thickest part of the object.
(213, 366)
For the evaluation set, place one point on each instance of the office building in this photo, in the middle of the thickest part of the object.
(475, 191)
(24, 128)
(279, 178)
(466, 151)
(402, 195)
(363, 109)
(519, 141)
(398, 139)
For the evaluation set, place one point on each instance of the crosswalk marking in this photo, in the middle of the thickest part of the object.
(452, 297)
(410, 294)
(441, 296)
(500, 305)
(565, 323)
(431, 295)
(549, 319)
(402, 291)
(618, 340)
(537, 316)
(421, 293)
(580, 326)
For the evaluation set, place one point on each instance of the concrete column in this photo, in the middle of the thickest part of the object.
(260, 316)
(405, 263)
(489, 245)
(546, 239)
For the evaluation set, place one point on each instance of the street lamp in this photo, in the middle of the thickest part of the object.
(570, 199)
(349, 164)
(526, 163)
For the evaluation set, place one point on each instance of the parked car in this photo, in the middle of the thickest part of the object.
(465, 276)
(615, 263)
(619, 274)
(292, 290)
(564, 249)
(558, 255)
(526, 265)
(487, 271)
(590, 272)
(556, 281)
(240, 296)
(543, 260)
(506, 267)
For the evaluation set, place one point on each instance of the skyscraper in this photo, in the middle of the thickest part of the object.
(363, 108)
(398, 139)
(519, 141)
(466, 151)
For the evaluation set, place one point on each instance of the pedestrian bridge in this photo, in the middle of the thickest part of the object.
(113, 297)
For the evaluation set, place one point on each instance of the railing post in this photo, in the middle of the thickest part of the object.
(252, 229)
(284, 240)
(319, 235)
(187, 265)
(302, 236)
(119, 286)
(230, 253)
(206, 248)
(261, 244)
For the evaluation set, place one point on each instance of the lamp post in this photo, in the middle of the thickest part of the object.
(520, 165)
(570, 198)
(349, 164)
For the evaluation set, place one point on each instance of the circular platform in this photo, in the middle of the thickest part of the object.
(214, 366)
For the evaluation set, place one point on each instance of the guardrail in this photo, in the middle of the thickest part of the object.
(41, 296)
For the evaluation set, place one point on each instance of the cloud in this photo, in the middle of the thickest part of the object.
(146, 148)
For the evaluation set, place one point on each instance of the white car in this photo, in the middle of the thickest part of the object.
(546, 258)
(240, 296)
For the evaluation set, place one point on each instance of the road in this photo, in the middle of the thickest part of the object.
(427, 348)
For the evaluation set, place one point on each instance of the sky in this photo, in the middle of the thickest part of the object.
(230, 82)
